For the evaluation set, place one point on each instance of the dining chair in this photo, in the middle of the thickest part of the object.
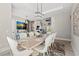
(31, 34)
(13, 45)
(43, 48)
(52, 42)
(53, 37)
(37, 33)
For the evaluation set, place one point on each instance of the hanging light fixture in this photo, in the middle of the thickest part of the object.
(38, 13)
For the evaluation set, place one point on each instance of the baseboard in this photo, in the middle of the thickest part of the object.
(5, 51)
(61, 38)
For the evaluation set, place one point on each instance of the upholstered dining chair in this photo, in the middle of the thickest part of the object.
(52, 42)
(53, 37)
(13, 45)
(44, 47)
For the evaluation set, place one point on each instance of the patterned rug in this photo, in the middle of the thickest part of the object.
(56, 49)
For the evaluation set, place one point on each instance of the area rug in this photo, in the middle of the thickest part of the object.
(56, 49)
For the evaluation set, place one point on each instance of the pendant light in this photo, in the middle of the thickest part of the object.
(38, 13)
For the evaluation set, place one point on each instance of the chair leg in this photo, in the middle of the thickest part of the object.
(43, 54)
(47, 53)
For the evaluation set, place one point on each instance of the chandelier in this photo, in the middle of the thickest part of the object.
(38, 13)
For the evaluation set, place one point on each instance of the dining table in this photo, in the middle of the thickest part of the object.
(32, 42)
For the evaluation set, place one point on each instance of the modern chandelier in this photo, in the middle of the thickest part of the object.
(39, 13)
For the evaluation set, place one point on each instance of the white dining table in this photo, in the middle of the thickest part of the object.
(32, 42)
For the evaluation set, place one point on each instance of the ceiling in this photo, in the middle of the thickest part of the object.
(28, 9)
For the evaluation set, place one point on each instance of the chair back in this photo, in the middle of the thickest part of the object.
(12, 44)
(53, 37)
(47, 42)
(15, 51)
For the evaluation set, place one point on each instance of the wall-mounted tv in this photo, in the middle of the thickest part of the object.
(21, 25)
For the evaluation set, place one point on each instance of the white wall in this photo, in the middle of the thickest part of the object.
(61, 17)
(75, 39)
(62, 23)
(75, 44)
(5, 25)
